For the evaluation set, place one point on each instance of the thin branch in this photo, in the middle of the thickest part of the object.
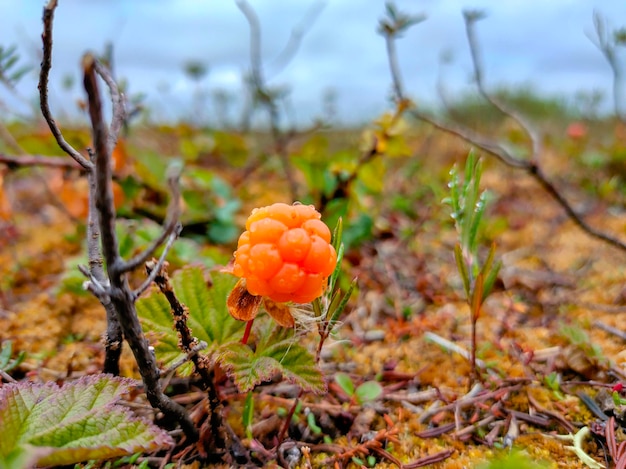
(296, 36)
(265, 96)
(170, 226)
(606, 45)
(470, 18)
(394, 67)
(202, 345)
(113, 337)
(119, 291)
(159, 264)
(117, 99)
(493, 148)
(39, 160)
(187, 343)
(255, 42)
(46, 65)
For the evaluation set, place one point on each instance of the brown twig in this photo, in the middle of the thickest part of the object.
(118, 117)
(13, 161)
(606, 44)
(375, 444)
(493, 148)
(170, 225)
(117, 289)
(113, 336)
(188, 343)
(46, 65)
(262, 94)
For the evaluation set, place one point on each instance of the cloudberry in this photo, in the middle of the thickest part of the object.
(285, 253)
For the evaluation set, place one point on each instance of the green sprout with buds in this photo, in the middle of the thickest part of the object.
(468, 208)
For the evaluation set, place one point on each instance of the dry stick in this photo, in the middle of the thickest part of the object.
(604, 43)
(118, 290)
(117, 99)
(38, 160)
(499, 152)
(113, 337)
(187, 342)
(262, 93)
(170, 226)
(470, 18)
(46, 64)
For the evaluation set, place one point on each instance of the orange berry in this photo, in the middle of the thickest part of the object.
(317, 227)
(320, 257)
(258, 287)
(266, 230)
(288, 279)
(285, 253)
(311, 288)
(242, 257)
(243, 239)
(294, 245)
(264, 261)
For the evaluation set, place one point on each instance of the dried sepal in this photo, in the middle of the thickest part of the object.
(242, 305)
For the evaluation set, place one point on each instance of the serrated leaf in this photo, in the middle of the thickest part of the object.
(78, 421)
(277, 352)
(208, 319)
(208, 313)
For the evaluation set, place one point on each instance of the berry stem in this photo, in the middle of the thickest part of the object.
(246, 334)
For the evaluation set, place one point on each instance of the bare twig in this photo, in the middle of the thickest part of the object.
(606, 44)
(113, 337)
(158, 265)
(610, 329)
(297, 34)
(170, 225)
(493, 148)
(202, 345)
(46, 65)
(118, 117)
(38, 160)
(261, 92)
(119, 291)
(7, 377)
(188, 343)
(471, 17)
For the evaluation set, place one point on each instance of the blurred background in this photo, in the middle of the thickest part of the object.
(187, 59)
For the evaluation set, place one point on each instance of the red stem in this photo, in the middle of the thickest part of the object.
(246, 334)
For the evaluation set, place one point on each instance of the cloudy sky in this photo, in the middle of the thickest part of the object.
(542, 42)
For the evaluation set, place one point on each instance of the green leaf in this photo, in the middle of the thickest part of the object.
(208, 319)
(368, 391)
(6, 362)
(248, 414)
(278, 351)
(76, 422)
(371, 175)
(345, 383)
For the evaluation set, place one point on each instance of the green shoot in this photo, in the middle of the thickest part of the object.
(468, 208)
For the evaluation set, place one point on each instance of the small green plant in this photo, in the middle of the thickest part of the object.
(6, 352)
(513, 460)
(366, 392)
(468, 208)
(52, 425)
(10, 71)
(553, 382)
